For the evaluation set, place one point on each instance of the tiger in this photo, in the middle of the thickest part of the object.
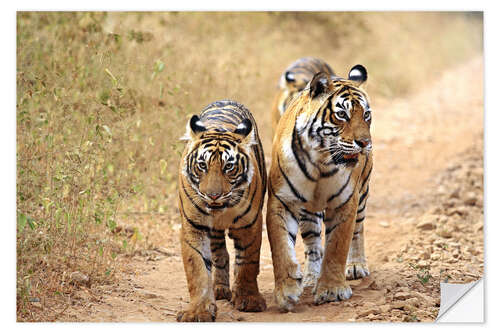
(320, 170)
(222, 183)
(292, 81)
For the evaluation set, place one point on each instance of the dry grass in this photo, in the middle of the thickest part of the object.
(102, 99)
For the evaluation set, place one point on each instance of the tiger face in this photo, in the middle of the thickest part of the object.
(296, 78)
(340, 130)
(218, 166)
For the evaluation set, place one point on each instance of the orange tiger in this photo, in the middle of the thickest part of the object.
(320, 171)
(222, 183)
(293, 80)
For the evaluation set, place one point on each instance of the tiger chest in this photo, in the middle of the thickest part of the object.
(330, 191)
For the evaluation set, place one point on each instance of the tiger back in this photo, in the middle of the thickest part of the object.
(320, 170)
(293, 80)
(222, 183)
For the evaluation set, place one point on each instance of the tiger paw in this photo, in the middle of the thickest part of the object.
(206, 312)
(249, 303)
(324, 293)
(287, 293)
(356, 270)
(222, 292)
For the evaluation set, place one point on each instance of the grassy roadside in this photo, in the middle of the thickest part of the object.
(103, 97)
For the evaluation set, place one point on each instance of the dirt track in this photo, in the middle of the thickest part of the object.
(417, 141)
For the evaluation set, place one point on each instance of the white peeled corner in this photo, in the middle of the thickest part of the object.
(462, 303)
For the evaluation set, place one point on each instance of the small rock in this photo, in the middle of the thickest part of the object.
(445, 233)
(402, 295)
(456, 193)
(435, 256)
(146, 294)
(422, 263)
(428, 222)
(370, 311)
(78, 278)
(397, 305)
(409, 308)
(374, 286)
(385, 308)
(37, 305)
(470, 198)
(384, 224)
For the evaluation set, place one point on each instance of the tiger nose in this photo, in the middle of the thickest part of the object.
(214, 196)
(363, 142)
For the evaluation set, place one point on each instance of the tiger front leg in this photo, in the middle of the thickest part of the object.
(195, 247)
(220, 263)
(247, 243)
(339, 223)
(310, 230)
(282, 228)
(357, 267)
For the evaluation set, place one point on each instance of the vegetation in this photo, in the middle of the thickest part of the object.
(103, 97)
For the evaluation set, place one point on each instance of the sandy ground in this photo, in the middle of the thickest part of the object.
(424, 223)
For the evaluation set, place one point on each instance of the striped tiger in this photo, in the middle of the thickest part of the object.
(320, 171)
(292, 81)
(222, 183)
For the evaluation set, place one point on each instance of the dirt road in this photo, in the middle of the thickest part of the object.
(424, 222)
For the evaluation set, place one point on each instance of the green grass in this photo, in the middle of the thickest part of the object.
(102, 99)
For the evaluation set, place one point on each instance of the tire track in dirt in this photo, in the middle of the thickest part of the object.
(414, 140)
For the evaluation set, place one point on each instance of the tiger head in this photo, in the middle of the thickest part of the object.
(291, 84)
(218, 165)
(339, 117)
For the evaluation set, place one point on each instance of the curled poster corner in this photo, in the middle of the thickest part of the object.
(462, 303)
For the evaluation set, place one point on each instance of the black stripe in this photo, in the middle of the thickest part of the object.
(367, 177)
(364, 195)
(247, 263)
(292, 237)
(295, 192)
(361, 209)
(239, 247)
(328, 230)
(295, 149)
(217, 246)
(361, 219)
(346, 201)
(309, 233)
(192, 201)
(212, 236)
(192, 223)
(207, 262)
(283, 203)
(307, 219)
(329, 173)
(341, 189)
(250, 203)
(247, 255)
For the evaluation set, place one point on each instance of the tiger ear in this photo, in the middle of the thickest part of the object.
(193, 128)
(319, 84)
(358, 75)
(244, 129)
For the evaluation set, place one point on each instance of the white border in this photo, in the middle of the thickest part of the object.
(491, 20)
